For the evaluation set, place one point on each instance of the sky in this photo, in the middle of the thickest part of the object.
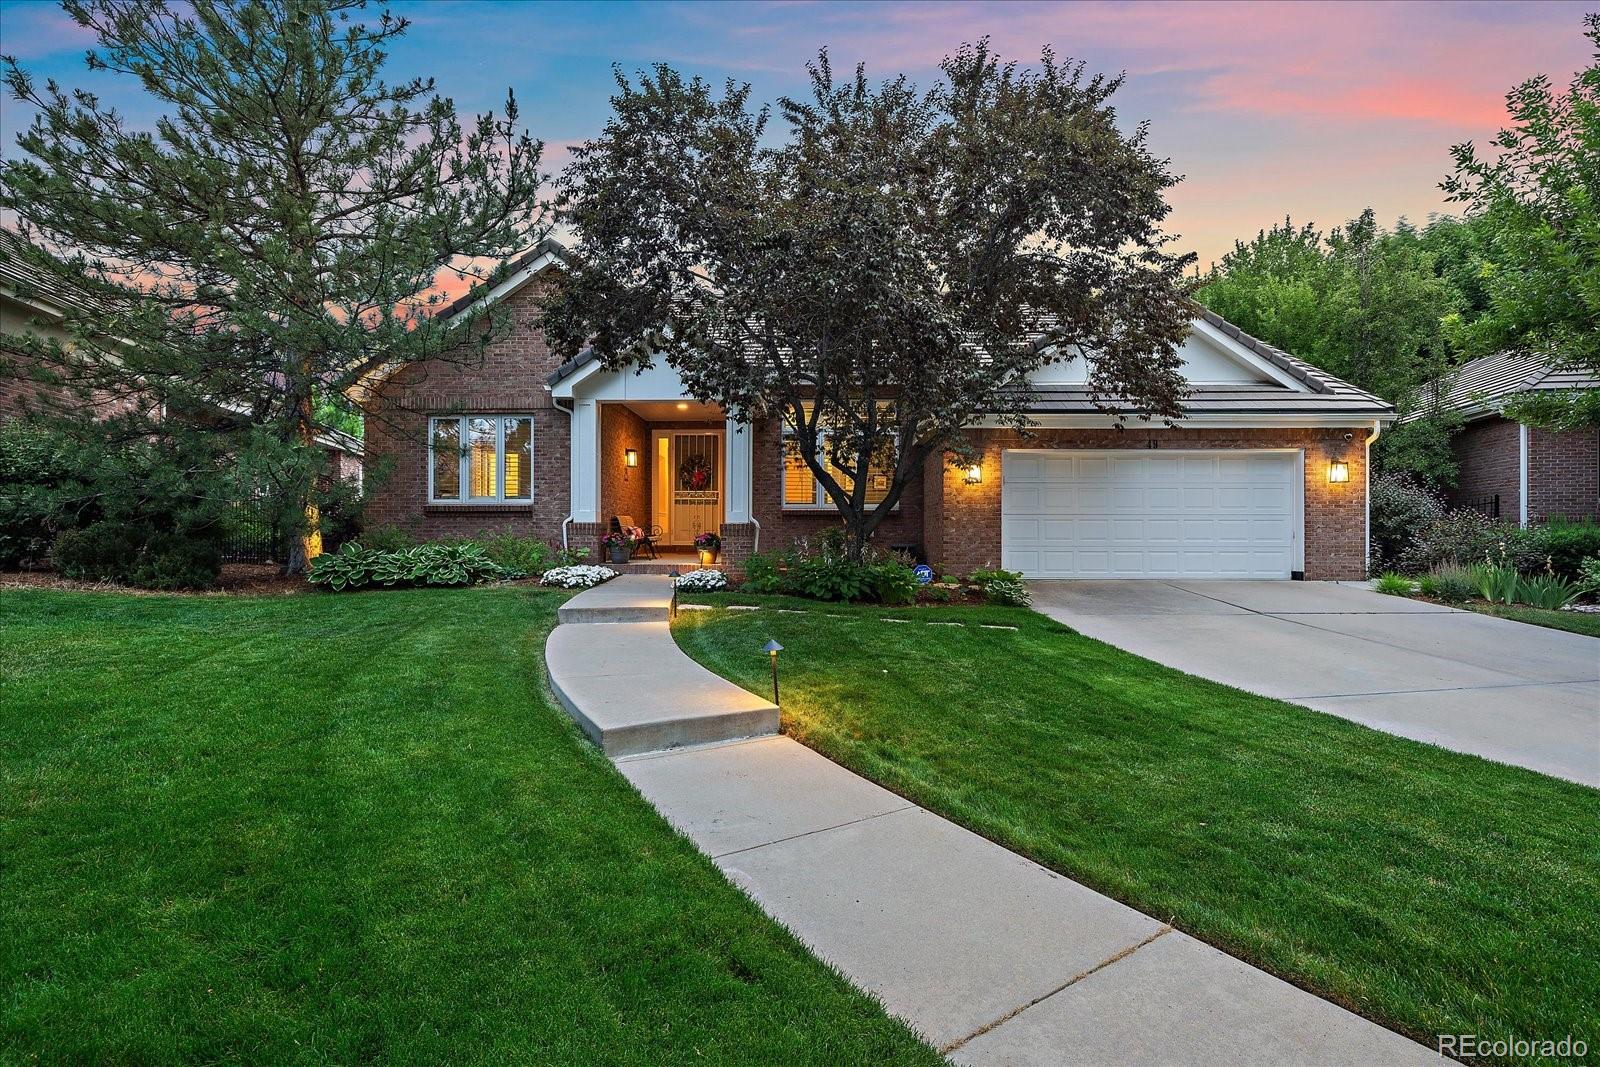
(1306, 110)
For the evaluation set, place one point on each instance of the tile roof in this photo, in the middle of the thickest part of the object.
(17, 272)
(1482, 386)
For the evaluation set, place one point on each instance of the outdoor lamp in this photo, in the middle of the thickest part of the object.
(772, 648)
(632, 456)
(1338, 471)
(975, 474)
(673, 574)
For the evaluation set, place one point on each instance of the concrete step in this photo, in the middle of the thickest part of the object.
(625, 598)
(632, 690)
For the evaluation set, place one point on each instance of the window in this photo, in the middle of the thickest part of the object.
(802, 490)
(481, 459)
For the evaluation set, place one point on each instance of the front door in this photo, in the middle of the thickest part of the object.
(688, 482)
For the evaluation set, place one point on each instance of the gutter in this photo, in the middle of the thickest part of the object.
(1366, 467)
(555, 402)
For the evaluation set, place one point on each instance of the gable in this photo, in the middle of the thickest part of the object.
(1209, 358)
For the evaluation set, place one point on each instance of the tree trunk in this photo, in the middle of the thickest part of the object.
(307, 544)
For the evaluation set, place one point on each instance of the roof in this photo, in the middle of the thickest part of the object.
(1323, 394)
(1482, 386)
(16, 272)
(548, 246)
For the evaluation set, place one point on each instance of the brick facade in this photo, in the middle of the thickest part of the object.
(954, 525)
(508, 379)
(965, 529)
(1563, 470)
(1487, 451)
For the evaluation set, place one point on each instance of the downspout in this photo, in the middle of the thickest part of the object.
(555, 401)
(1366, 468)
(1522, 475)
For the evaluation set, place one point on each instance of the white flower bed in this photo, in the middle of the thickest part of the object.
(703, 581)
(579, 577)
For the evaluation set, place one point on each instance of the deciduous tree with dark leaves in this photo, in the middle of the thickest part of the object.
(276, 237)
(887, 269)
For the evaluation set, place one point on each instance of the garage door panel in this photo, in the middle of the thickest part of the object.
(1164, 515)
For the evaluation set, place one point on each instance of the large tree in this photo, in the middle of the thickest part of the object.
(277, 236)
(1538, 195)
(886, 269)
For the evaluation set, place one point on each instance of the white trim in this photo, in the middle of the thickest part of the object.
(506, 288)
(738, 468)
(463, 466)
(1249, 357)
(1522, 474)
(1219, 422)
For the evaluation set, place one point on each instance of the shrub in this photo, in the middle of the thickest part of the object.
(386, 539)
(100, 552)
(1546, 591)
(30, 467)
(172, 561)
(830, 577)
(1450, 583)
(1589, 575)
(1400, 509)
(517, 557)
(894, 582)
(1496, 584)
(936, 594)
(1002, 587)
(764, 572)
(1565, 544)
(1468, 538)
(571, 557)
(703, 581)
(435, 564)
(1393, 584)
(577, 576)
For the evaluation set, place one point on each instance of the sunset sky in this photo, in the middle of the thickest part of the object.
(1308, 110)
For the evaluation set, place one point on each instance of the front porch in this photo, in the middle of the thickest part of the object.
(643, 451)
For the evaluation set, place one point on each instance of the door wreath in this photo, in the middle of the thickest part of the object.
(694, 473)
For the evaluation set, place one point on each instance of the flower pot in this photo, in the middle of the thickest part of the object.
(619, 553)
(708, 556)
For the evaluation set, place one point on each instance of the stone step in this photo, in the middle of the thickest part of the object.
(626, 598)
(632, 690)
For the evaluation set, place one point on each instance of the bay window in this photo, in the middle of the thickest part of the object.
(480, 459)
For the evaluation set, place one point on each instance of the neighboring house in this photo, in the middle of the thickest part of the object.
(1512, 471)
(31, 302)
(1265, 476)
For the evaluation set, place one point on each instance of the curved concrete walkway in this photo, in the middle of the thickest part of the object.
(991, 957)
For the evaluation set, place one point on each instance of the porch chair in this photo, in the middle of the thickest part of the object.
(648, 536)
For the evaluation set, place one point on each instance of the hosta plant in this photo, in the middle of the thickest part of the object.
(1002, 587)
(577, 577)
(354, 566)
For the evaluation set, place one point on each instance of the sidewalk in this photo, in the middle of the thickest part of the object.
(993, 958)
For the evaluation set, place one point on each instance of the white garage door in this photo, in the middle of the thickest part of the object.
(1157, 514)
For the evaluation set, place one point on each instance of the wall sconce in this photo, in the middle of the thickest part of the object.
(1338, 471)
(975, 474)
(630, 459)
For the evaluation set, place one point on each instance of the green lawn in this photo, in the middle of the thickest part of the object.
(1431, 891)
(339, 829)
(1578, 622)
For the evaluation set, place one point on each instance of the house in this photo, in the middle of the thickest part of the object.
(1265, 476)
(1512, 471)
(33, 302)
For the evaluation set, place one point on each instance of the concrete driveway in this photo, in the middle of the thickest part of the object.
(1520, 694)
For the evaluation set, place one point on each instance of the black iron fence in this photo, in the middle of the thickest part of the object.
(1489, 505)
(251, 535)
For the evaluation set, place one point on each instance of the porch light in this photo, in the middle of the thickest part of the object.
(1338, 471)
(772, 648)
(682, 406)
(632, 456)
(975, 474)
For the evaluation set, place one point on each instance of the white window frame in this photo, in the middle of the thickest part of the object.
(463, 460)
(820, 499)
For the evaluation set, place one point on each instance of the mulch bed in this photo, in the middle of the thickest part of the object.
(238, 579)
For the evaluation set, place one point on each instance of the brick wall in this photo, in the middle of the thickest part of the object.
(624, 490)
(1487, 451)
(781, 526)
(1563, 474)
(508, 379)
(968, 518)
